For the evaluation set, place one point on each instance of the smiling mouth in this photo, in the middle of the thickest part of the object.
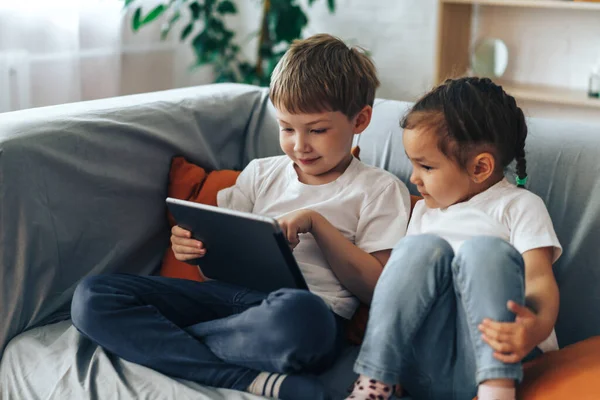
(307, 161)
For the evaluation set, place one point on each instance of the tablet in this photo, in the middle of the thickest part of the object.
(241, 248)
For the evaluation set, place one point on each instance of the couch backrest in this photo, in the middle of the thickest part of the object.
(82, 186)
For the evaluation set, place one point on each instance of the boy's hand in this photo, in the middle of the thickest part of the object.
(184, 247)
(295, 223)
(512, 341)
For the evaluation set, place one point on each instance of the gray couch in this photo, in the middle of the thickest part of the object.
(82, 189)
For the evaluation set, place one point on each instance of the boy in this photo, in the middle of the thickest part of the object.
(341, 217)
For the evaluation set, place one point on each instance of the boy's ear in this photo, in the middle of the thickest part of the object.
(362, 119)
(482, 167)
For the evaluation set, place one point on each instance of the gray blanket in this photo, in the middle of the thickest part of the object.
(55, 362)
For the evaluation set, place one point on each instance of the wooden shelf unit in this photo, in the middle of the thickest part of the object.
(551, 95)
(557, 4)
(454, 48)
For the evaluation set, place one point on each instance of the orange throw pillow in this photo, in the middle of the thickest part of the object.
(190, 182)
(570, 373)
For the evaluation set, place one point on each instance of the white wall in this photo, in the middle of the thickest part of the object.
(399, 34)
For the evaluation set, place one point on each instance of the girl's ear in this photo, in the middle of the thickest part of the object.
(482, 167)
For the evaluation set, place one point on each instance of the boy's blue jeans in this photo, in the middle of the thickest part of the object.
(422, 330)
(211, 332)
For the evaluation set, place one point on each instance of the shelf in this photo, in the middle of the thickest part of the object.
(550, 95)
(556, 4)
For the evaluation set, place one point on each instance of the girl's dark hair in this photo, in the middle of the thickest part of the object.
(473, 114)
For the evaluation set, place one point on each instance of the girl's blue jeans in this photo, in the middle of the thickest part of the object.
(422, 330)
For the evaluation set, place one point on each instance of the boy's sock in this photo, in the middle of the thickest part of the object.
(368, 389)
(488, 392)
(287, 387)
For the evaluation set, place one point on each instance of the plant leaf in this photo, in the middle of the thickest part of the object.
(288, 23)
(226, 7)
(209, 4)
(187, 30)
(155, 13)
(331, 5)
(206, 48)
(127, 3)
(196, 10)
(136, 21)
(166, 28)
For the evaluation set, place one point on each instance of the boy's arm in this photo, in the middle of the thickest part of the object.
(356, 269)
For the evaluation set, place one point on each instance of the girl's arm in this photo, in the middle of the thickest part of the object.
(512, 341)
(541, 290)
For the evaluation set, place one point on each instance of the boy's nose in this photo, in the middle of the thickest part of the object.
(300, 145)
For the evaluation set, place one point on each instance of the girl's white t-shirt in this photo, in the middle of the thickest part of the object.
(368, 205)
(505, 211)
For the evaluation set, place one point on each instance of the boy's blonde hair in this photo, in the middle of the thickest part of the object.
(321, 73)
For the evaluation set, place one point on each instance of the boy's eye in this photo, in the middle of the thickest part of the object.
(287, 129)
(319, 131)
(426, 167)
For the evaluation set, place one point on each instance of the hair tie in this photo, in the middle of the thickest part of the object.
(521, 181)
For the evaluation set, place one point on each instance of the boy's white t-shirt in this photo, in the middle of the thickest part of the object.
(368, 205)
(505, 211)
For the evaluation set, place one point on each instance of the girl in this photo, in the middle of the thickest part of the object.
(469, 293)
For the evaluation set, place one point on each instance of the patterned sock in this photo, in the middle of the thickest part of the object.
(370, 389)
(287, 387)
(488, 392)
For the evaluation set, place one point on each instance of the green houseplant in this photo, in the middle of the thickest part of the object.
(282, 21)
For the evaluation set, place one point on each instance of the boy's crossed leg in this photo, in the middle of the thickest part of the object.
(212, 333)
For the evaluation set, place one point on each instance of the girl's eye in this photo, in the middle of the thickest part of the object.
(426, 167)
(287, 129)
(319, 131)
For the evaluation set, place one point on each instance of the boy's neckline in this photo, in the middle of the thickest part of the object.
(340, 179)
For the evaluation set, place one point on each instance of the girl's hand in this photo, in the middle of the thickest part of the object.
(184, 247)
(295, 223)
(512, 341)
